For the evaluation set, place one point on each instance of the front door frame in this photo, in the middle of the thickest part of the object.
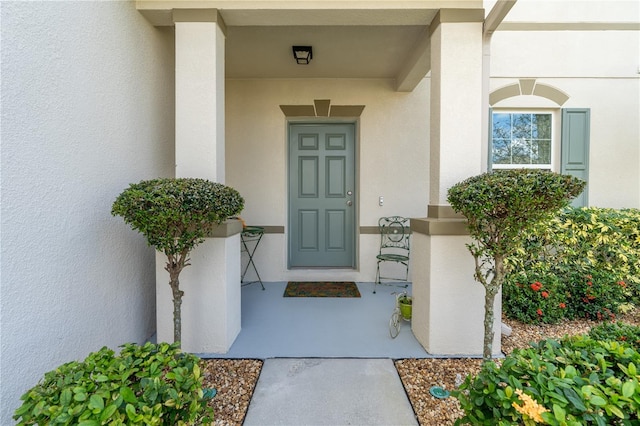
(355, 232)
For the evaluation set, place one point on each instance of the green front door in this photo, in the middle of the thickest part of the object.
(321, 195)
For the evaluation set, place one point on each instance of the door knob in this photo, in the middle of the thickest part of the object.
(349, 202)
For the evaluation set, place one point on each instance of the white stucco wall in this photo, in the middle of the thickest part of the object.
(392, 158)
(87, 108)
(599, 70)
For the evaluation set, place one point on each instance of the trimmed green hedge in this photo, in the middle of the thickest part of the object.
(144, 385)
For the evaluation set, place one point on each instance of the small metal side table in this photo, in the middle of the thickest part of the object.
(250, 238)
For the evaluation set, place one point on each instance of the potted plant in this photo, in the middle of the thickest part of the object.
(405, 303)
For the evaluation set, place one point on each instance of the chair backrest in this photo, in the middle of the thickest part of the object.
(394, 233)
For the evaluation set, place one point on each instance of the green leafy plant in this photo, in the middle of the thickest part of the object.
(144, 385)
(175, 215)
(405, 300)
(593, 253)
(576, 381)
(585, 241)
(499, 206)
(534, 300)
(617, 331)
(596, 296)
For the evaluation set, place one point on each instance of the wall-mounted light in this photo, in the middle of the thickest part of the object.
(302, 54)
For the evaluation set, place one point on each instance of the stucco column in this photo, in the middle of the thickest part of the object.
(211, 308)
(211, 318)
(448, 302)
(199, 45)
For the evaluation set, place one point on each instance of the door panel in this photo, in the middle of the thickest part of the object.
(336, 230)
(321, 191)
(308, 186)
(309, 230)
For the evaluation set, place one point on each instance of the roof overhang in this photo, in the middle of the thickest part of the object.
(351, 39)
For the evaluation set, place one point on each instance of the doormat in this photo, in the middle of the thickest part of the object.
(321, 289)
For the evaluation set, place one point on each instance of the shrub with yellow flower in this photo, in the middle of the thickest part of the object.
(530, 409)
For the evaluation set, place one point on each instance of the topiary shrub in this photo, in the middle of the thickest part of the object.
(144, 385)
(578, 381)
(175, 215)
(499, 207)
(617, 331)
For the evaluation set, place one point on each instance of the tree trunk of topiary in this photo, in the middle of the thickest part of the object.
(174, 267)
(492, 288)
(489, 298)
(177, 304)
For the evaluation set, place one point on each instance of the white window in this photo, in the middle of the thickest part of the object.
(523, 139)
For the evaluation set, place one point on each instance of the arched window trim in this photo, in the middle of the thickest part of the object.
(528, 86)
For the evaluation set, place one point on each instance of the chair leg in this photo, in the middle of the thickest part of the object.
(395, 280)
(406, 275)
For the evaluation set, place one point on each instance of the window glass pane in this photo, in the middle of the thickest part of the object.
(541, 152)
(521, 151)
(501, 126)
(521, 126)
(501, 151)
(541, 126)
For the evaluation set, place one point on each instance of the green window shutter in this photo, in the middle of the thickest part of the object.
(575, 147)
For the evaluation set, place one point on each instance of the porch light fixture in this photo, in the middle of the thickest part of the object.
(302, 54)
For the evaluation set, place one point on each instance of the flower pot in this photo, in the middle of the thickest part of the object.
(405, 309)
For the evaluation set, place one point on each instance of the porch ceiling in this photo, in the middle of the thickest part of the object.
(350, 39)
(338, 51)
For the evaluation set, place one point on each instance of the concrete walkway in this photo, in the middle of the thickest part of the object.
(337, 391)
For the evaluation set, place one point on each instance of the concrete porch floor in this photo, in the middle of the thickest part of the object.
(274, 326)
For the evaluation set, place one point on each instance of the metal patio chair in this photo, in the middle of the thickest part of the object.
(395, 236)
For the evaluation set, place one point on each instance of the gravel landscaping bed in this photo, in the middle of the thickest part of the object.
(419, 375)
(235, 380)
